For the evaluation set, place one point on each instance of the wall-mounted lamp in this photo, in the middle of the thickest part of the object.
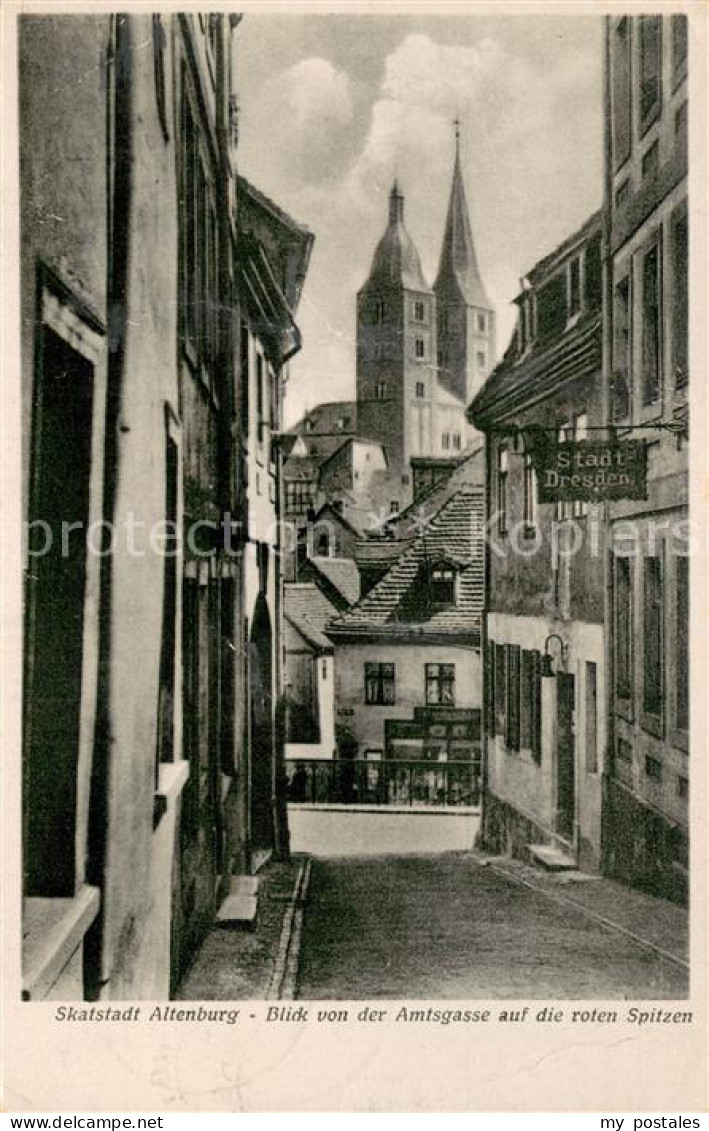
(547, 666)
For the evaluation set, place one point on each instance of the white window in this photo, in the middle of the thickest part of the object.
(420, 348)
(482, 323)
(580, 432)
(530, 494)
(419, 312)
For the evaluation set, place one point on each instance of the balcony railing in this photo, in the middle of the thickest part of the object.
(417, 784)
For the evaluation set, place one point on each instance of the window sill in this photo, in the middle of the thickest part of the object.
(171, 780)
(652, 724)
(678, 77)
(624, 709)
(651, 412)
(649, 120)
(53, 930)
(678, 738)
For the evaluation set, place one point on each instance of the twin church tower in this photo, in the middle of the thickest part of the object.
(422, 353)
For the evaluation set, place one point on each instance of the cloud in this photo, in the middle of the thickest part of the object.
(305, 112)
(531, 153)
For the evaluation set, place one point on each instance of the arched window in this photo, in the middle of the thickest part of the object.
(323, 544)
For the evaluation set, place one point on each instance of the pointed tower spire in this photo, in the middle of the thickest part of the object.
(458, 260)
(396, 204)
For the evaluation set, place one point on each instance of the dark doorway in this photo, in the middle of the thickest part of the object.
(261, 700)
(565, 757)
(199, 825)
(56, 584)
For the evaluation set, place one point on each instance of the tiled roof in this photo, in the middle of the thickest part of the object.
(342, 573)
(541, 267)
(469, 472)
(324, 418)
(271, 206)
(454, 534)
(300, 468)
(351, 517)
(308, 610)
(576, 351)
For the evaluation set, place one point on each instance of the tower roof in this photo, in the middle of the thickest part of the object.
(396, 260)
(458, 261)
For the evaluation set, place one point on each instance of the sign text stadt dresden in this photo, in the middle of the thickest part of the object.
(592, 471)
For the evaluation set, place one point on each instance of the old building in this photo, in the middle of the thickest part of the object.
(544, 652)
(127, 328)
(407, 655)
(309, 672)
(646, 370)
(273, 251)
(421, 353)
(155, 335)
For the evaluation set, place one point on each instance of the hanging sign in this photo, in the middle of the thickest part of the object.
(591, 471)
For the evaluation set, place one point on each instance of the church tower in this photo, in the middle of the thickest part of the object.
(465, 317)
(396, 352)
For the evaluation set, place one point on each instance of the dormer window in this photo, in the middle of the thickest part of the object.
(442, 584)
(526, 329)
(551, 307)
(574, 289)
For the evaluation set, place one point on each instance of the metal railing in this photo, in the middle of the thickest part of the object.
(415, 783)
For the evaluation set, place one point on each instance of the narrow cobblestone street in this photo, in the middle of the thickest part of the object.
(450, 927)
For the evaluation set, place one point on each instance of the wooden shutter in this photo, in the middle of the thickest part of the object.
(537, 707)
(513, 654)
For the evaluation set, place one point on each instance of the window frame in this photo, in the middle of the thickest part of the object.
(378, 677)
(438, 676)
(501, 488)
(679, 651)
(679, 325)
(512, 736)
(622, 92)
(623, 285)
(651, 408)
(591, 716)
(653, 719)
(647, 116)
(679, 66)
(624, 603)
(530, 504)
(449, 581)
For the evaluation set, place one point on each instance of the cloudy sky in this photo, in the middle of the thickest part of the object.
(333, 106)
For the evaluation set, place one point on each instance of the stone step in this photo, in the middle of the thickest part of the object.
(551, 858)
(240, 908)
